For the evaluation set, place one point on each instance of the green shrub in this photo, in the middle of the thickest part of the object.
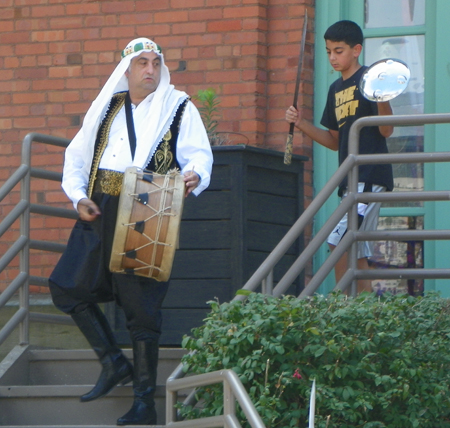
(377, 361)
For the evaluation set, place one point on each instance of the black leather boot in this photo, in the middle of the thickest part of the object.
(143, 410)
(115, 366)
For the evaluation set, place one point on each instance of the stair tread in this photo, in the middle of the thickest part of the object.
(71, 354)
(40, 387)
(65, 390)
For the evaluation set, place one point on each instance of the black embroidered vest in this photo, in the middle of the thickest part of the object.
(164, 158)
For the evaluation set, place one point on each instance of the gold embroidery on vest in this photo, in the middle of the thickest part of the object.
(104, 138)
(163, 156)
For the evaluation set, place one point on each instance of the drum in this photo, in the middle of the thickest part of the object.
(148, 223)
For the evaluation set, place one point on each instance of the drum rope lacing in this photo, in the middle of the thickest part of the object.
(160, 212)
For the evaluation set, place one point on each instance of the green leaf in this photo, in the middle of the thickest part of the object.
(243, 292)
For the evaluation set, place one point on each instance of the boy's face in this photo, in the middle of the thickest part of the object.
(342, 57)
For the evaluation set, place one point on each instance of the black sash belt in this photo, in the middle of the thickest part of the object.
(130, 125)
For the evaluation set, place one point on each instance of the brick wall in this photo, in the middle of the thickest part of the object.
(56, 54)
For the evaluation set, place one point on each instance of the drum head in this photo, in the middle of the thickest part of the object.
(384, 80)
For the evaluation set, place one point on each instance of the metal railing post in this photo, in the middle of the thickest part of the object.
(24, 263)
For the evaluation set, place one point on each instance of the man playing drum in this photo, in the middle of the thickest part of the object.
(138, 119)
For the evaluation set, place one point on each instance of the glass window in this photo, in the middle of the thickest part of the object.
(397, 13)
(411, 50)
(393, 254)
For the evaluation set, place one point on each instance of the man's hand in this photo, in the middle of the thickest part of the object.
(87, 210)
(191, 180)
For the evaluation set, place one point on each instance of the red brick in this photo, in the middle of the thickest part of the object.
(7, 75)
(116, 6)
(28, 61)
(189, 28)
(7, 13)
(46, 11)
(187, 78)
(64, 47)
(5, 98)
(255, 24)
(101, 46)
(175, 42)
(224, 26)
(83, 34)
(154, 32)
(31, 49)
(113, 32)
(216, 3)
(229, 101)
(205, 14)
(29, 123)
(172, 16)
(15, 86)
(59, 122)
(205, 39)
(83, 8)
(47, 36)
(65, 72)
(106, 57)
(243, 37)
(20, 110)
(96, 21)
(14, 37)
(44, 60)
(152, 5)
(63, 96)
(181, 4)
(28, 98)
(5, 123)
(66, 22)
(204, 65)
(136, 19)
(222, 76)
(76, 108)
(244, 12)
(97, 70)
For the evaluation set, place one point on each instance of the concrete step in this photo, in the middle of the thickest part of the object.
(60, 405)
(51, 367)
(41, 387)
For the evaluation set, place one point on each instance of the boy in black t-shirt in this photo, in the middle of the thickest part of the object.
(345, 104)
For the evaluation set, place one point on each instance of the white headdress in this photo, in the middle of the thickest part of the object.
(159, 115)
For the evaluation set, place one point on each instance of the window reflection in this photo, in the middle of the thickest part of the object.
(393, 254)
(398, 13)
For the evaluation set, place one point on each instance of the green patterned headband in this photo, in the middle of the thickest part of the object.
(141, 45)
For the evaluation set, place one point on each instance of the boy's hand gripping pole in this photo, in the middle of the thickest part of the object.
(290, 137)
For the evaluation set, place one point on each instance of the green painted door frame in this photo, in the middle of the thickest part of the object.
(437, 100)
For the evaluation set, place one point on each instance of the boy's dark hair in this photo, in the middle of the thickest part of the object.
(345, 31)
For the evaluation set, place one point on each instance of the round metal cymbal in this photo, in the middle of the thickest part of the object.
(384, 80)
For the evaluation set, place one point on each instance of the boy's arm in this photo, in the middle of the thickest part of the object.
(384, 109)
(327, 138)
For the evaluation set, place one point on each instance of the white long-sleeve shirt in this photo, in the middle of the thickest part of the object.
(193, 151)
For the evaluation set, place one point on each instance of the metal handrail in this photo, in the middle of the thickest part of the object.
(233, 391)
(233, 388)
(348, 168)
(23, 243)
(263, 276)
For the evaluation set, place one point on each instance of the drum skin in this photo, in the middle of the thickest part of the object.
(148, 224)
